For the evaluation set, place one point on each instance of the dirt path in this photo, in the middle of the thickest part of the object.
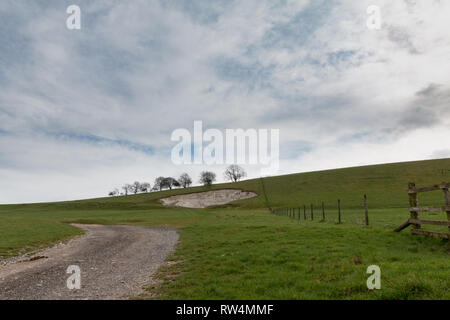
(115, 263)
(207, 199)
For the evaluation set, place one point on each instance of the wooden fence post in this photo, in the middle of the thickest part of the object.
(299, 213)
(413, 203)
(339, 210)
(304, 211)
(323, 211)
(447, 200)
(366, 209)
(312, 212)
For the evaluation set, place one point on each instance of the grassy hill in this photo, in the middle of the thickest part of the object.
(242, 251)
(385, 184)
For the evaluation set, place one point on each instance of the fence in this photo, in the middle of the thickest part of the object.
(415, 209)
(302, 212)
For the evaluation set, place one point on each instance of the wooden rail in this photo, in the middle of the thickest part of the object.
(431, 233)
(430, 209)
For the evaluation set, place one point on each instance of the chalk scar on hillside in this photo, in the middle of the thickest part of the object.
(116, 262)
(207, 199)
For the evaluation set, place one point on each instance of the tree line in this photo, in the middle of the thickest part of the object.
(233, 173)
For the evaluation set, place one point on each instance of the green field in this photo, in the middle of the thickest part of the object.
(242, 251)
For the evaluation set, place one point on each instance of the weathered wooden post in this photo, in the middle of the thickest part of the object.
(299, 213)
(447, 199)
(413, 203)
(339, 210)
(312, 212)
(366, 209)
(323, 211)
(304, 211)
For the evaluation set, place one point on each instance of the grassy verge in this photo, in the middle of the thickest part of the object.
(22, 234)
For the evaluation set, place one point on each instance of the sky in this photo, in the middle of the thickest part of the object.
(85, 111)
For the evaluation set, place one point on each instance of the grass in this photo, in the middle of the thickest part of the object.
(253, 255)
(241, 251)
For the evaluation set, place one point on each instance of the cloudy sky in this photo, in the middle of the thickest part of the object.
(84, 111)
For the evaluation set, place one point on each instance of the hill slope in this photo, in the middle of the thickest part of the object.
(241, 251)
(385, 185)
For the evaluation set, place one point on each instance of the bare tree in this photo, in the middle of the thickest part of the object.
(126, 188)
(234, 173)
(170, 182)
(135, 187)
(145, 187)
(114, 193)
(185, 180)
(158, 185)
(207, 178)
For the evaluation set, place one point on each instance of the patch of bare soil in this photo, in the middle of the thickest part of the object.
(207, 199)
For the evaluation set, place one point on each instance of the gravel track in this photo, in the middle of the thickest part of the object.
(115, 262)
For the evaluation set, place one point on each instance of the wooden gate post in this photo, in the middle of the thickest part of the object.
(447, 200)
(413, 203)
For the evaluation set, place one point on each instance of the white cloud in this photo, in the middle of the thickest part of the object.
(138, 70)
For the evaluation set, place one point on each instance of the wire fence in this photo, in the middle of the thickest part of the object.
(323, 213)
(339, 212)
